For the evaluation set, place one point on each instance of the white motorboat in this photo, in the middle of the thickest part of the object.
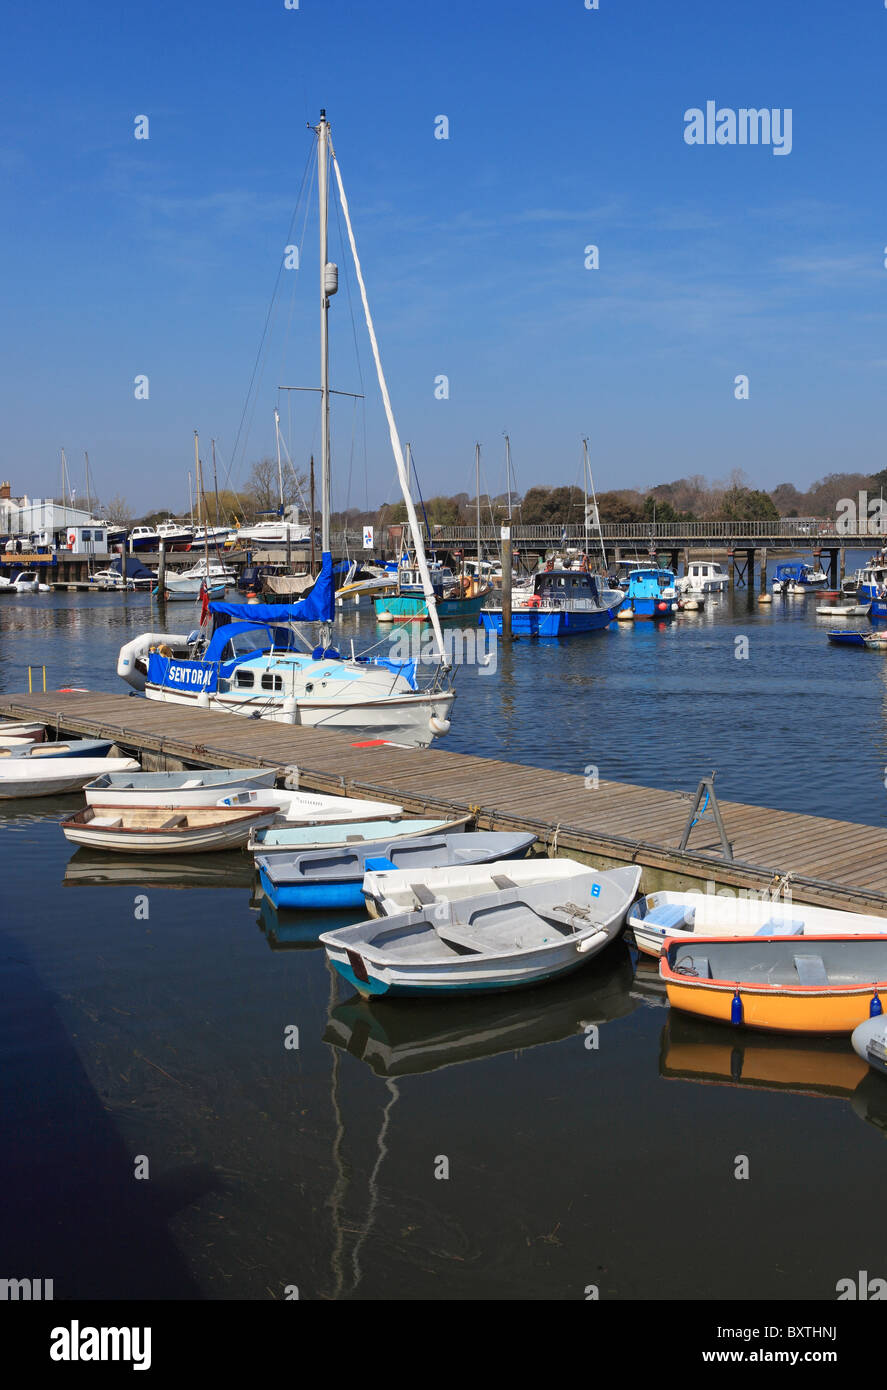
(190, 583)
(270, 535)
(703, 577)
(178, 789)
(160, 830)
(26, 582)
(312, 808)
(20, 777)
(665, 915)
(387, 892)
(502, 940)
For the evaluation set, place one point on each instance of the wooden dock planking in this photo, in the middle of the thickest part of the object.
(834, 863)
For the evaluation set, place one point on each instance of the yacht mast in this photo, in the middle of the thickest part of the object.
(279, 466)
(198, 473)
(477, 499)
(323, 134)
(508, 474)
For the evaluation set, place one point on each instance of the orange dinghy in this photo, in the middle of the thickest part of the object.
(787, 985)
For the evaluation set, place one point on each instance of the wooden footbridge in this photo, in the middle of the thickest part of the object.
(828, 862)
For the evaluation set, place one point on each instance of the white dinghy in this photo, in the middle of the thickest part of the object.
(312, 808)
(159, 830)
(36, 733)
(387, 892)
(177, 789)
(502, 940)
(671, 915)
(53, 776)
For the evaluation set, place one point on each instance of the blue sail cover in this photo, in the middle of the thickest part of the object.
(319, 606)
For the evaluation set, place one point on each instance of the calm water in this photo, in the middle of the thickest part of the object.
(569, 1165)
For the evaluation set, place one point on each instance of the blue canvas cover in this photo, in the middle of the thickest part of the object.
(319, 606)
(134, 567)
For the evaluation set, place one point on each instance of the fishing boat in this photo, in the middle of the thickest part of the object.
(795, 577)
(387, 892)
(703, 577)
(652, 592)
(63, 748)
(311, 808)
(21, 777)
(456, 596)
(160, 830)
(259, 663)
(503, 940)
(179, 789)
(334, 878)
(776, 982)
(288, 839)
(672, 915)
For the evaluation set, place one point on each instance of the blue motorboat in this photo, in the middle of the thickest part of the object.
(796, 577)
(563, 602)
(652, 592)
(331, 879)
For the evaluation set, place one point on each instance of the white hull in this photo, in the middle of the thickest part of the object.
(55, 777)
(173, 796)
(400, 718)
(198, 839)
(312, 808)
(709, 914)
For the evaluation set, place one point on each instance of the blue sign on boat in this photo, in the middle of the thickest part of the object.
(193, 676)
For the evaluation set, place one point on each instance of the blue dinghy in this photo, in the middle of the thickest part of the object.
(333, 878)
(842, 638)
(64, 748)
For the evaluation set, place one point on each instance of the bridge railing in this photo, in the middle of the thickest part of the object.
(786, 529)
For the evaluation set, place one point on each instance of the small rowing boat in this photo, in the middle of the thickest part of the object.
(158, 830)
(678, 916)
(787, 986)
(179, 789)
(504, 940)
(311, 808)
(14, 733)
(387, 892)
(21, 777)
(287, 839)
(335, 878)
(66, 748)
(869, 1041)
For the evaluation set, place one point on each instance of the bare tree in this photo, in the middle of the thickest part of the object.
(262, 491)
(118, 510)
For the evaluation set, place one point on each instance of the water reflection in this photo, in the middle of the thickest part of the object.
(93, 868)
(408, 1037)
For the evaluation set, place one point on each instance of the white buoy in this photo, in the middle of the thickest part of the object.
(439, 726)
(625, 615)
(765, 598)
(385, 617)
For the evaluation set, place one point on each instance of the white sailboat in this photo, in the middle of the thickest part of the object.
(251, 665)
(209, 574)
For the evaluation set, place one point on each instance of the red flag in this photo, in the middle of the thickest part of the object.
(204, 602)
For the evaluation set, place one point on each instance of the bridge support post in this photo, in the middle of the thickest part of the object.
(687, 560)
(674, 558)
(731, 557)
(842, 563)
(763, 575)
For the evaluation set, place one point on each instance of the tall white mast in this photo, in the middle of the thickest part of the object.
(403, 476)
(597, 514)
(198, 474)
(477, 499)
(508, 474)
(279, 465)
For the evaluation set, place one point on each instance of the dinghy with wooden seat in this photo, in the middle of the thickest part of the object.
(675, 916)
(287, 839)
(312, 808)
(334, 877)
(827, 985)
(13, 734)
(65, 748)
(20, 777)
(504, 940)
(389, 891)
(203, 787)
(159, 830)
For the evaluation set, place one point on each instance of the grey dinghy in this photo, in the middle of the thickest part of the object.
(518, 936)
(334, 878)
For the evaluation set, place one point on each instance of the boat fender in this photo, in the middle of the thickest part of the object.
(736, 1008)
(164, 649)
(534, 601)
(875, 1007)
(589, 941)
(439, 726)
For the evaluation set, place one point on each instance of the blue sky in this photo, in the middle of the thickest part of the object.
(123, 257)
